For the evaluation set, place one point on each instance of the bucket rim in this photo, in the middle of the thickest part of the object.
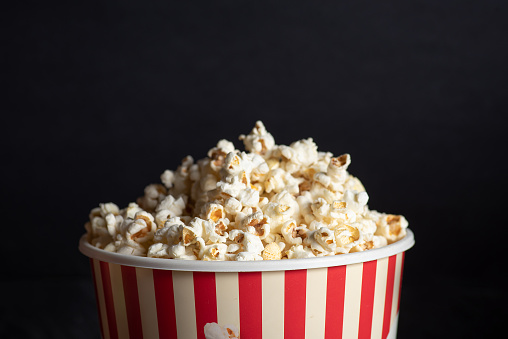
(397, 247)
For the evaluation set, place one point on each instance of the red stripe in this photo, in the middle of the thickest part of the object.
(295, 286)
(205, 300)
(335, 289)
(400, 286)
(130, 290)
(108, 298)
(389, 296)
(97, 296)
(251, 307)
(367, 299)
(165, 301)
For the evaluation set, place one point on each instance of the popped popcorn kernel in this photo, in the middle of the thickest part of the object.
(272, 251)
(268, 202)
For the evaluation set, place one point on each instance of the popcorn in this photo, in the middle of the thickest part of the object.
(347, 237)
(272, 251)
(392, 227)
(259, 141)
(212, 252)
(300, 252)
(154, 193)
(158, 250)
(248, 241)
(215, 331)
(269, 202)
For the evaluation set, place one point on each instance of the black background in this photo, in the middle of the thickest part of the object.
(99, 98)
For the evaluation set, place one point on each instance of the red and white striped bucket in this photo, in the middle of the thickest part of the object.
(345, 296)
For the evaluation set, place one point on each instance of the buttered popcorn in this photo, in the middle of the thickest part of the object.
(268, 202)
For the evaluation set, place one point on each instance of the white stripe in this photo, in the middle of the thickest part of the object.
(396, 285)
(379, 298)
(315, 311)
(352, 299)
(147, 306)
(273, 304)
(183, 287)
(228, 306)
(102, 301)
(393, 328)
(122, 324)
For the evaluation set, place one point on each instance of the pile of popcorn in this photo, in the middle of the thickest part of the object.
(270, 202)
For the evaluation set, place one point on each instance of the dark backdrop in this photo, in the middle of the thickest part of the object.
(98, 99)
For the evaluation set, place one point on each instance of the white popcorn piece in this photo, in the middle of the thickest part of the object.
(232, 206)
(168, 208)
(231, 189)
(290, 232)
(278, 180)
(109, 208)
(208, 182)
(278, 214)
(131, 210)
(215, 252)
(232, 165)
(219, 231)
(181, 183)
(248, 256)
(371, 242)
(214, 212)
(207, 229)
(249, 197)
(302, 153)
(356, 201)
(326, 238)
(168, 178)
(131, 250)
(353, 184)
(154, 193)
(113, 223)
(319, 242)
(171, 233)
(180, 251)
(198, 248)
(158, 250)
(140, 230)
(215, 331)
(300, 252)
(259, 141)
(257, 224)
(338, 167)
(347, 237)
(392, 227)
(339, 211)
(250, 242)
(218, 154)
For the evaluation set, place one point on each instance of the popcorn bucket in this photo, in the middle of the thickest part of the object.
(355, 295)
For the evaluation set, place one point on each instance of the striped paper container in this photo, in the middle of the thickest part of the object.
(356, 295)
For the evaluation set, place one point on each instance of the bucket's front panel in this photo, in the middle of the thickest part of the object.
(353, 301)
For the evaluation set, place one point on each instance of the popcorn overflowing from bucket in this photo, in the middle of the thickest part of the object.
(268, 202)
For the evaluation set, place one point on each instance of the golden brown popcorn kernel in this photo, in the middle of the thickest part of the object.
(272, 252)
(394, 224)
(215, 212)
(338, 204)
